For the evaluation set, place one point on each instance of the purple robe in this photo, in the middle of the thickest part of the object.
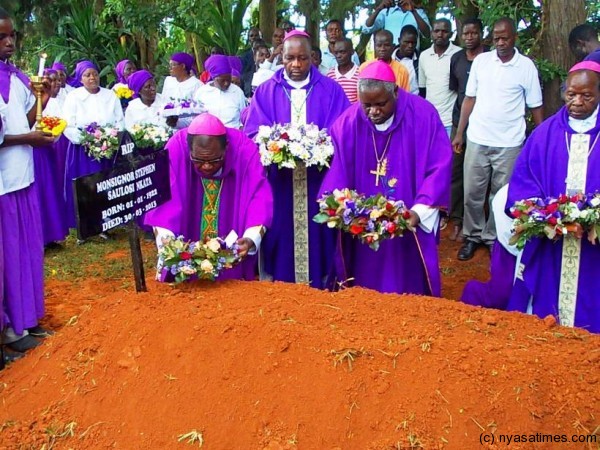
(540, 171)
(496, 292)
(49, 181)
(420, 158)
(246, 200)
(270, 105)
(23, 259)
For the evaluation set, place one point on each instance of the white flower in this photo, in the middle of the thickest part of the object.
(289, 164)
(187, 270)
(214, 245)
(294, 134)
(206, 266)
(264, 132)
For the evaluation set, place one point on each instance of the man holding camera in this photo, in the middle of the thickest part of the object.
(393, 15)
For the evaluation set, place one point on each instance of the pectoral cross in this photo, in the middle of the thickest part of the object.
(381, 170)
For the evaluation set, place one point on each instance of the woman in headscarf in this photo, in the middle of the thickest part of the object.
(181, 85)
(84, 106)
(49, 169)
(147, 105)
(219, 96)
(123, 71)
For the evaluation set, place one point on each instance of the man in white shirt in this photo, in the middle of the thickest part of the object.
(434, 72)
(406, 54)
(23, 248)
(501, 83)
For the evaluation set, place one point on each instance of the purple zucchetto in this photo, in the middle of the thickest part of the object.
(137, 80)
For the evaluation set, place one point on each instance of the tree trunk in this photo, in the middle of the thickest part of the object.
(464, 9)
(558, 18)
(267, 19)
(312, 12)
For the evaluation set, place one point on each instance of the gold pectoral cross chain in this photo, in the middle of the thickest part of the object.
(381, 169)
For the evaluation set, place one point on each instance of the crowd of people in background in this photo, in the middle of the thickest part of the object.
(449, 122)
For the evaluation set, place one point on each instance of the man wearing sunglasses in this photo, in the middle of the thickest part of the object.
(218, 185)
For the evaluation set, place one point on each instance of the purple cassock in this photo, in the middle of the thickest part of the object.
(540, 171)
(419, 157)
(271, 105)
(245, 201)
(49, 165)
(496, 292)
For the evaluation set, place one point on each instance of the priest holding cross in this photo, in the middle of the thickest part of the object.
(562, 156)
(296, 249)
(392, 142)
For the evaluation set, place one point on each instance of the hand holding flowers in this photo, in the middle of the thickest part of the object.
(53, 125)
(286, 145)
(147, 135)
(554, 217)
(185, 260)
(370, 219)
(100, 142)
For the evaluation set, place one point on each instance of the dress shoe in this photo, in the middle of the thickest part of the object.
(10, 356)
(24, 344)
(467, 251)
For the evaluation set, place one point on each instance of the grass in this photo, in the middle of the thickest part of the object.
(191, 438)
(348, 355)
(73, 262)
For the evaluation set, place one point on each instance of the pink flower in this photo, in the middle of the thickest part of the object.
(104, 147)
(113, 132)
(97, 134)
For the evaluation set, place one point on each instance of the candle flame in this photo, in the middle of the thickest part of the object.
(44, 55)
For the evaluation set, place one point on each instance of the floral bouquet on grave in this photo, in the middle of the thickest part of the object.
(182, 108)
(124, 94)
(554, 217)
(286, 145)
(53, 125)
(183, 260)
(147, 135)
(100, 142)
(370, 219)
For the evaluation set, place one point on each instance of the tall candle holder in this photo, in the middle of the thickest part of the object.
(37, 84)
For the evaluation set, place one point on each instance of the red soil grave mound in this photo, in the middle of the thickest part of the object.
(276, 366)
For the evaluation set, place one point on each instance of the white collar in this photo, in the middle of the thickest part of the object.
(584, 125)
(348, 74)
(513, 60)
(385, 125)
(296, 84)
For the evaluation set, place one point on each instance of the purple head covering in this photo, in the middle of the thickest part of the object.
(59, 66)
(217, 65)
(235, 73)
(120, 69)
(137, 80)
(184, 58)
(48, 72)
(586, 65)
(81, 67)
(236, 64)
(296, 33)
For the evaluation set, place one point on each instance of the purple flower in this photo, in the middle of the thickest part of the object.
(169, 106)
(91, 127)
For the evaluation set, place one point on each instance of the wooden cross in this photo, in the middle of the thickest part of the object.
(380, 171)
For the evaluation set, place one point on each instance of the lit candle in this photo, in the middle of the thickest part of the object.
(43, 57)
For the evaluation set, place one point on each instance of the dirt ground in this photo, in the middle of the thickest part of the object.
(276, 366)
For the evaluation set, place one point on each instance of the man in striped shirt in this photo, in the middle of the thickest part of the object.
(346, 72)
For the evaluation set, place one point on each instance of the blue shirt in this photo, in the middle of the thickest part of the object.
(394, 19)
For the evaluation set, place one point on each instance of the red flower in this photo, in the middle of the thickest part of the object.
(516, 213)
(369, 239)
(285, 136)
(356, 229)
(185, 255)
(575, 198)
(552, 220)
(562, 199)
(552, 208)
(391, 227)
(406, 215)
(331, 212)
(389, 206)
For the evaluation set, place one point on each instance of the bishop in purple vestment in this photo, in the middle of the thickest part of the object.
(388, 124)
(541, 171)
(272, 104)
(217, 185)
